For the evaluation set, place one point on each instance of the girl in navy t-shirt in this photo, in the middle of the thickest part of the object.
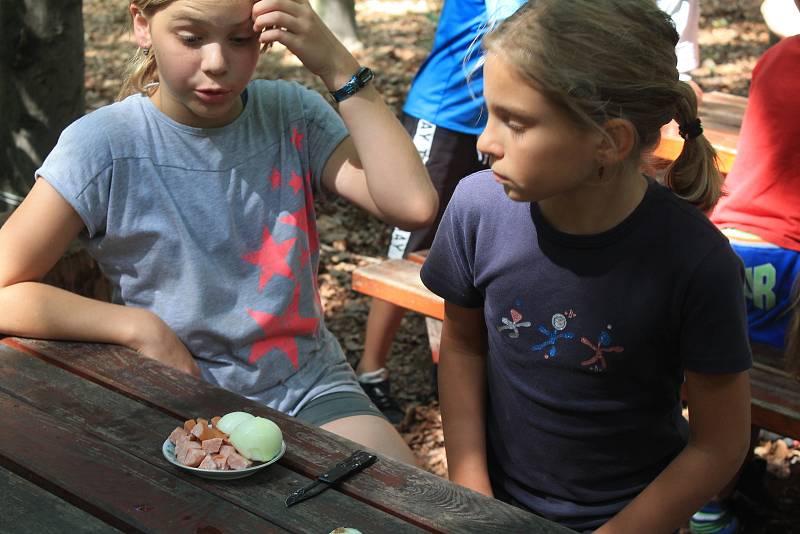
(580, 293)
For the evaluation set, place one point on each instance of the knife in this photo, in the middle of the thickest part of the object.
(356, 462)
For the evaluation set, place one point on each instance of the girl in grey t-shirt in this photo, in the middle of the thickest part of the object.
(195, 195)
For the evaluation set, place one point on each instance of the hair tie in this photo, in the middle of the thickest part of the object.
(690, 130)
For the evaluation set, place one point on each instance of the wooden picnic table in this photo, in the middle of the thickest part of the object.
(81, 451)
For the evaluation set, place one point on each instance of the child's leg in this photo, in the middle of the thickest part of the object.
(382, 323)
(375, 433)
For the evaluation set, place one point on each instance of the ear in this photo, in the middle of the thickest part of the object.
(141, 27)
(619, 143)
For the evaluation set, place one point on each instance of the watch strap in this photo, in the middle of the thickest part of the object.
(359, 80)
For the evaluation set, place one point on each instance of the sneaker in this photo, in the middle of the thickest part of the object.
(714, 518)
(377, 387)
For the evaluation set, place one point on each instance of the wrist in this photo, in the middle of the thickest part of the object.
(340, 74)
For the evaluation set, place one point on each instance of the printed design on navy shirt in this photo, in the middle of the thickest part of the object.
(559, 322)
(597, 362)
(513, 324)
(281, 330)
(558, 339)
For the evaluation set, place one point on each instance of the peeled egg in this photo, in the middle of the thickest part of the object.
(230, 421)
(257, 439)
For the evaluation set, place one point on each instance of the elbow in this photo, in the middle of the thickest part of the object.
(421, 214)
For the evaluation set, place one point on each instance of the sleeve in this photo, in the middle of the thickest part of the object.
(713, 336)
(80, 168)
(448, 270)
(326, 131)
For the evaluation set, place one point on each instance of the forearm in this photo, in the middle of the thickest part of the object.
(462, 396)
(37, 310)
(689, 481)
(396, 179)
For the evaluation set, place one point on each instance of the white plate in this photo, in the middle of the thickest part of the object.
(168, 449)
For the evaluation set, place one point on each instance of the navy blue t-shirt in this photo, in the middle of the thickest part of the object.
(588, 338)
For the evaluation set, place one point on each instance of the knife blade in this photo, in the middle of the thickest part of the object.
(354, 463)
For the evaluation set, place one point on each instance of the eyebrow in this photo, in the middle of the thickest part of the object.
(512, 111)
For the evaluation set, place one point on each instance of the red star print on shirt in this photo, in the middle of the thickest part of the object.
(304, 219)
(281, 330)
(296, 182)
(297, 138)
(271, 258)
(275, 178)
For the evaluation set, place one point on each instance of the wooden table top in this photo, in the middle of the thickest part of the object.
(81, 451)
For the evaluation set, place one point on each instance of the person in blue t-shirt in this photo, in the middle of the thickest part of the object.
(444, 113)
(580, 295)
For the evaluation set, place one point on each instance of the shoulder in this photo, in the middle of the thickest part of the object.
(683, 217)
(106, 130)
(280, 101)
(480, 190)
(782, 56)
(688, 232)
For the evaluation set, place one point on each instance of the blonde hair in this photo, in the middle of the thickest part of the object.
(142, 69)
(604, 59)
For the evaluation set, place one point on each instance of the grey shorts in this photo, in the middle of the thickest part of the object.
(327, 408)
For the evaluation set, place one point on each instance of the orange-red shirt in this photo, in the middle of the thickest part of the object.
(763, 187)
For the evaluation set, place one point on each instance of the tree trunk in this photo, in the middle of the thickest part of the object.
(41, 85)
(340, 17)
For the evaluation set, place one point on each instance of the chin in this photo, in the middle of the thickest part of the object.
(516, 195)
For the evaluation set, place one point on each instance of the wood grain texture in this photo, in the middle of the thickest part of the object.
(398, 282)
(28, 508)
(407, 492)
(139, 430)
(116, 487)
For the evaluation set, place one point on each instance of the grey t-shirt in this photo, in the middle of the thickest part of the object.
(214, 231)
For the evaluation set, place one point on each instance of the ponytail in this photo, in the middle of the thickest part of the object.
(694, 175)
(140, 73)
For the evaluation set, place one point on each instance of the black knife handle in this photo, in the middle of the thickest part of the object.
(357, 461)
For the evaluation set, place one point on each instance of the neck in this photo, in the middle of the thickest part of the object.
(595, 208)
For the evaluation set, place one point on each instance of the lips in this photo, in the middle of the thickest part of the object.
(212, 96)
(499, 178)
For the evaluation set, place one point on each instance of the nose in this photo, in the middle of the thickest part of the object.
(488, 143)
(214, 61)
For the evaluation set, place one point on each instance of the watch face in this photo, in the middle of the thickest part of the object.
(364, 76)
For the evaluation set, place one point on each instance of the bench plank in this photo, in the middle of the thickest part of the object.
(398, 282)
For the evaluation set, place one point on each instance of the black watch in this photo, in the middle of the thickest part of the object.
(361, 78)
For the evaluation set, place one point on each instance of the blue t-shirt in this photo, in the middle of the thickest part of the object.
(588, 338)
(214, 231)
(441, 93)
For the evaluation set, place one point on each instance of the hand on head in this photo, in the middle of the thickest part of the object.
(294, 24)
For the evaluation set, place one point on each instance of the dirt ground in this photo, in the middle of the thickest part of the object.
(397, 35)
